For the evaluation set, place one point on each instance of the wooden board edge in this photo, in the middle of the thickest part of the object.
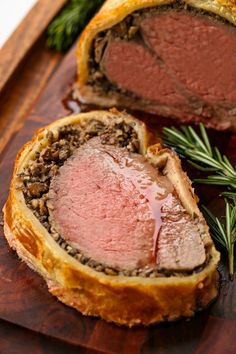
(24, 37)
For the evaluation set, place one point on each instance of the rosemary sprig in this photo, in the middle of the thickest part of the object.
(201, 155)
(230, 196)
(224, 234)
(64, 29)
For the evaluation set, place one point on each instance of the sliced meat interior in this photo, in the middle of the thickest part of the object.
(120, 211)
(199, 51)
(179, 63)
(177, 233)
(140, 73)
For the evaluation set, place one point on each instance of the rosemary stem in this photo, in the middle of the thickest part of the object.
(231, 262)
(203, 156)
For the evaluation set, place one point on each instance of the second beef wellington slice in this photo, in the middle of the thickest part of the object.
(110, 221)
(175, 58)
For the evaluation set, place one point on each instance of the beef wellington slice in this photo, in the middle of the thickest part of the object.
(109, 219)
(176, 58)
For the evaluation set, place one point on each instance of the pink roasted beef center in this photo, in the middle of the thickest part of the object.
(198, 50)
(132, 67)
(107, 202)
(184, 55)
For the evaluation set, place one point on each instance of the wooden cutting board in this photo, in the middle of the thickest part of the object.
(33, 95)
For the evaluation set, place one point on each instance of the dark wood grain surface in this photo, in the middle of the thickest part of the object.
(21, 91)
(18, 340)
(25, 301)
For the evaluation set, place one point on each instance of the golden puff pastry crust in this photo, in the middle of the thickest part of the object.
(121, 299)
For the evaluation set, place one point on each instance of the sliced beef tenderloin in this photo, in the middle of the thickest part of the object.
(179, 244)
(173, 60)
(199, 51)
(140, 73)
(180, 62)
(118, 210)
(121, 201)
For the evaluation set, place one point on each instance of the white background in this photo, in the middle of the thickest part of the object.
(11, 14)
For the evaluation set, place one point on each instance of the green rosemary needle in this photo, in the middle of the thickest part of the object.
(64, 29)
(200, 154)
(224, 234)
